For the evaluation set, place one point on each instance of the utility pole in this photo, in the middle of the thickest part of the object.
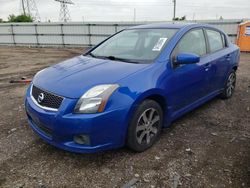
(174, 1)
(193, 16)
(134, 14)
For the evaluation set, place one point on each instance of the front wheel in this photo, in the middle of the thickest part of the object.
(230, 86)
(145, 126)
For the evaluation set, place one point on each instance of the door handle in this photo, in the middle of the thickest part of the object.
(207, 66)
(228, 56)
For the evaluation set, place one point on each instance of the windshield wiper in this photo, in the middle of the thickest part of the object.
(92, 55)
(120, 59)
(112, 58)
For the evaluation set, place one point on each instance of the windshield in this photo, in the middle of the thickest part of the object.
(134, 45)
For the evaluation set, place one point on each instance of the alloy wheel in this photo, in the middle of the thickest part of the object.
(147, 126)
(231, 84)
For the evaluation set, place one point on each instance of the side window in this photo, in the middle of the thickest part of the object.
(192, 42)
(215, 40)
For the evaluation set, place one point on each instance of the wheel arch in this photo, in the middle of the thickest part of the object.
(153, 94)
(235, 68)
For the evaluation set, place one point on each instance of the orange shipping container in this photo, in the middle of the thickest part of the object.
(243, 39)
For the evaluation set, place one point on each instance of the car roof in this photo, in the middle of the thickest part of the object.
(172, 25)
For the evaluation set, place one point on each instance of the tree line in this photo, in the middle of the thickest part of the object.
(18, 18)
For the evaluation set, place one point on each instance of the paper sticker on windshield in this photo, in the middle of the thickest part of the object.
(160, 44)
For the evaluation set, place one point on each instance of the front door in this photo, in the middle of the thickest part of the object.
(190, 82)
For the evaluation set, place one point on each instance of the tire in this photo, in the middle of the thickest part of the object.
(229, 86)
(145, 126)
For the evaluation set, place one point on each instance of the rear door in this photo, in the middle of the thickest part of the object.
(190, 82)
(220, 58)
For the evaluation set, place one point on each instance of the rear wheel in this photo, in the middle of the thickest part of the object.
(145, 126)
(230, 86)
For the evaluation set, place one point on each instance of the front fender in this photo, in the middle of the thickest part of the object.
(150, 94)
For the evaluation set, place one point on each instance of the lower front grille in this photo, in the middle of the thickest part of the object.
(46, 99)
(44, 129)
(47, 131)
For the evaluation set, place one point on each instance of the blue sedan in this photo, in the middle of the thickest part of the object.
(130, 86)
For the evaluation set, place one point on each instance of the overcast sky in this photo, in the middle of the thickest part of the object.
(146, 10)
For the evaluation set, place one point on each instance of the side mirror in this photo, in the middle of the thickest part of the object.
(187, 58)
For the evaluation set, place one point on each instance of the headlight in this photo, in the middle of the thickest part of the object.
(95, 99)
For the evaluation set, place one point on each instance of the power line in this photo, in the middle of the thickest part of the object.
(150, 4)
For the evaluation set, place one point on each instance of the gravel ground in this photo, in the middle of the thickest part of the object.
(208, 147)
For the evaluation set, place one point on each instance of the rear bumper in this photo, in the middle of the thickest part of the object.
(106, 130)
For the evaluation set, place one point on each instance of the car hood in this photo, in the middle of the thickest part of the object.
(73, 77)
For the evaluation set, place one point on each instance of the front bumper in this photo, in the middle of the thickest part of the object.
(106, 130)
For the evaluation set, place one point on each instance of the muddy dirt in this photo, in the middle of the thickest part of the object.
(208, 147)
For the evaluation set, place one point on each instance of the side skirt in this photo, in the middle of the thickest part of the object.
(172, 116)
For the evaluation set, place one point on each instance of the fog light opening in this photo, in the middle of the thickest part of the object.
(82, 139)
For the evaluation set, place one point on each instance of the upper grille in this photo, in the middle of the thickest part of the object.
(49, 100)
